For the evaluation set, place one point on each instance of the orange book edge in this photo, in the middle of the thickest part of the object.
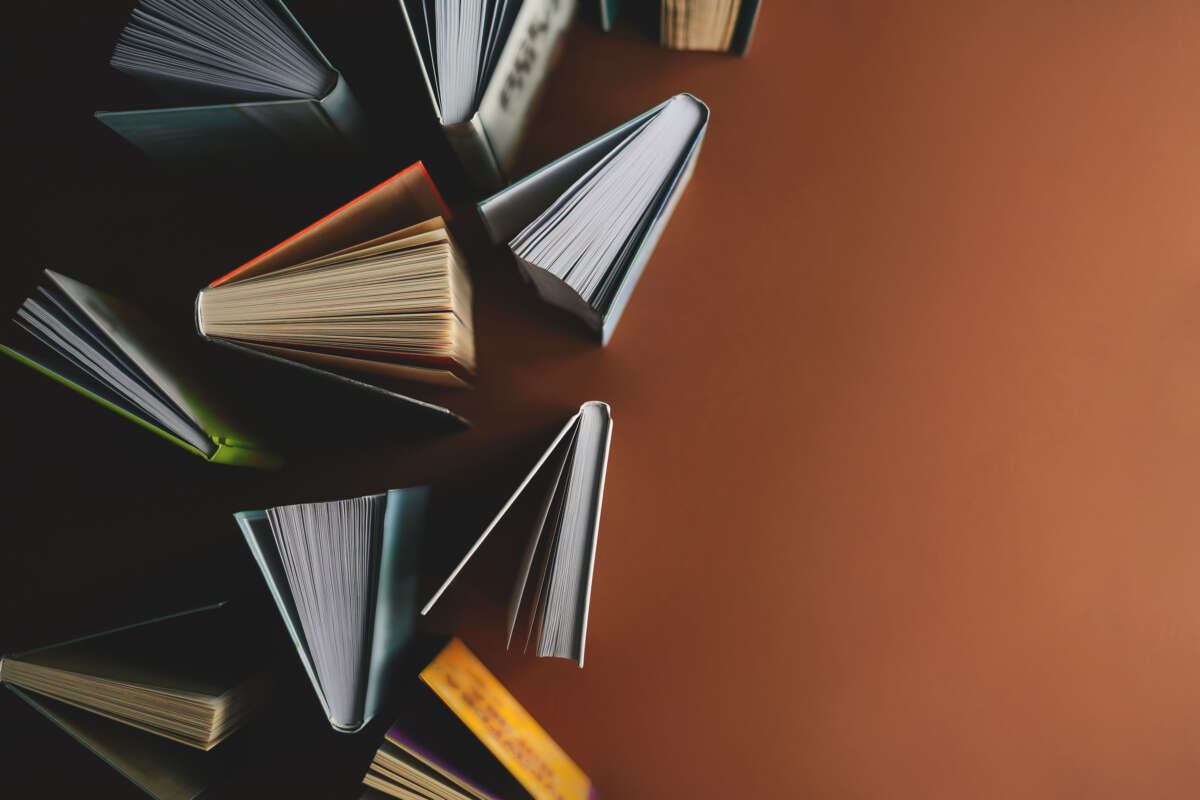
(417, 165)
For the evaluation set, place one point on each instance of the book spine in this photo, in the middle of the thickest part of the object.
(744, 29)
(470, 143)
(239, 454)
(343, 113)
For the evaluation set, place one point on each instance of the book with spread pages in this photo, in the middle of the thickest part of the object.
(485, 64)
(343, 576)
(376, 289)
(462, 736)
(106, 350)
(553, 589)
(723, 26)
(583, 227)
(265, 86)
(157, 699)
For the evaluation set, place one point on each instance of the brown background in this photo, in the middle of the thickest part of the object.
(901, 500)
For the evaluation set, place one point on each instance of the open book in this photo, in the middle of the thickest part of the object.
(343, 576)
(484, 62)
(462, 736)
(152, 698)
(583, 227)
(553, 589)
(376, 289)
(106, 350)
(264, 85)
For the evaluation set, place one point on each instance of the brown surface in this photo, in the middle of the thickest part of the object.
(906, 410)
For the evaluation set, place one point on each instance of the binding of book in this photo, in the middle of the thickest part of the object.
(375, 288)
(155, 700)
(277, 91)
(583, 227)
(108, 351)
(462, 736)
(343, 576)
(556, 596)
(485, 64)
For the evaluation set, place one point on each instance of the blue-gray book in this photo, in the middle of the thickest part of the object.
(249, 81)
(583, 227)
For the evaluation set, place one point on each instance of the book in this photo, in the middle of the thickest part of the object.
(485, 64)
(583, 227)
(376, 289)
(107, 350)
(553, 590)
(716, 25)
(462, 736)
(156, 699)
(249, 83)
(343, 577)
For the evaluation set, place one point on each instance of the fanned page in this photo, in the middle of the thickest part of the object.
(552, 591)
(194, 678)
(587, 237)
(398, 304)
(240, 47)
(462, 41)
(330, 556)
(85, 332)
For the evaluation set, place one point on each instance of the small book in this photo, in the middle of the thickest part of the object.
(343, 576)
(264, 85)
(485, 63)
(720, 25)
(583, 227)
(462, 736)
(152, 699)
(105, 349)
(553, 589)
(376, 289)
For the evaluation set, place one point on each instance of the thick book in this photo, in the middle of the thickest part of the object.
(376, 289)
(107, 350)
(716, 25)
(157, 699)
(553, 589)
(485, 65)
(462, 736)
(251, 81)
(343, 576)
(723, 26)
(583, 227)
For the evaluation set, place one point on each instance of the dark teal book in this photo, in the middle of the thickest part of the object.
(343, 575)
(157, 699)
(583, 227)
(234, 102)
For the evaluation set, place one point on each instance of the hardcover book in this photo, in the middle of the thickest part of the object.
(106, 350)
(718, 25)
(724, 26)
(485, 64)
(343, 576)
(157, 699)
(583, 227)
(553, 590)
(252, 82)
(462, 736)
(376, 289)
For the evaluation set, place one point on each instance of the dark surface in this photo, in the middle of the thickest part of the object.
(901, 500)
